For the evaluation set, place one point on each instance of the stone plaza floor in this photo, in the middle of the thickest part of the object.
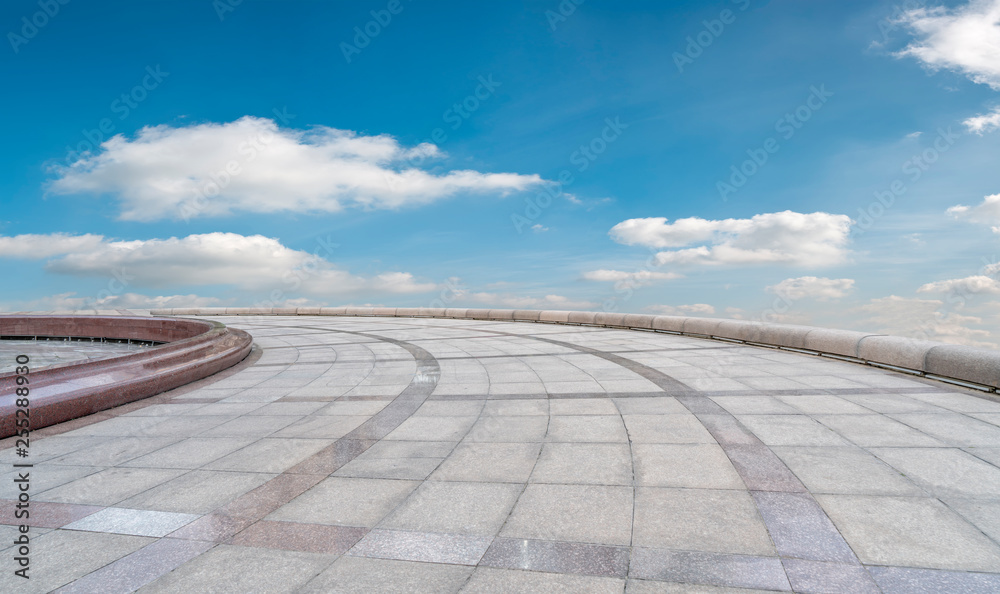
(427, 455)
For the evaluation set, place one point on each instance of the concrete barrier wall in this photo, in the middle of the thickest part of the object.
(933, 359)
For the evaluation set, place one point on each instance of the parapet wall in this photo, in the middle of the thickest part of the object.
(975, 367)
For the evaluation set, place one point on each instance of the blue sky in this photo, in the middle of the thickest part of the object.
(573, 155)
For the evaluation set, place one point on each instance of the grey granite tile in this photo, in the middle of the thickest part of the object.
(739, 571)
(829, 578)
(800, 529)
(428, 547)
(489, 579)
(117, 520)
(346, 501)
(697, 466)
(845, 470)
(489, 462)
(137, 569)
(577, 513)
(678, 428)
(360, 575)
(910, 580)
(944, 472)
(453, 507)
(557, 557)
(584, 463)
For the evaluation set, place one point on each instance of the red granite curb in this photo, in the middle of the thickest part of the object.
(194, 349)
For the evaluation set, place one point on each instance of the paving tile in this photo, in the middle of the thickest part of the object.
(199, 491)
(658, 405)
(52, 477)
(516, 407)
(488, 579)
(489, 462)
(61, 556)
(269, 455)
(755, 405)
(113, 451)
(876, 431)
(824, 405)
(190, 453)
(416, 469)
(409, 449)
(453, 507)
(679, 428)
(584, 463)
(503, 428)
(953, 428)
(577, 513)
(596, 406)
(457, 549)
(592, 428)
(845, 470)
(787, 430)
(707, 520)
(110, 486)
(295, 536)
(697, 466)
(740, 571)
(44, 514)
(944, 472)
(243, 569)
(800, 529)
(117, 520)
(832, 578)
(557, 557)
(432, 428)
(137, 569)
(346, 501)
(360, 575)
(983, 514)
(910, 531)
(905, 580)
(762, 470)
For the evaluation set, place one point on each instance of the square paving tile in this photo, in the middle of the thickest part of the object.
(711, 569)
(271, 455)
(110, 486)
(458, 508)
(489, 462)
(786, 430)
(321, 427)
(360, 575)
(516, 407)
(593, 428)
(557, 557)
(576, 513)
(953, 428)
(346, 501)
(137, 569)
(657, 405)
(61, 556)
(910, 531)
(197, 492)
(814, 576)
(699, 520)
(457, 549)
(679, 428)
(488, 580)
(432, 428)
(137, 522)
(944, 472)
(589, 406)
(416, 469)
(845, 470)
(190, 453)
(294, 536)
(503, 428)
(237, 569)
(698, 466)
(877, 430)
(584, 464)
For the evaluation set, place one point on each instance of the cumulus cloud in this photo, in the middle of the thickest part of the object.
(970, 285)
(988, 212)
(507, 300)
(72, 301)
(965, 39)
(922, 319)
(246, 262)
(981, 124)
(673, 310)
(251, 165)
(783, 238)
(37, 247)
(811, 287)
(636, 278)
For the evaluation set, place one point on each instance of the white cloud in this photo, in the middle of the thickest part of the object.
(167, 172)
(922, 319)
(71, 301)
(246, 262)
(507, 300)
(537, 228)
(785, 238)
(981, 124)
(673, 310)
(36, 247)
(970, 285)
(812, 287)
(987, 212)
(635, 279)
(965, 39)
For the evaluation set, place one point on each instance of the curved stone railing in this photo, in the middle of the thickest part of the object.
(194, 350)
(974, 367)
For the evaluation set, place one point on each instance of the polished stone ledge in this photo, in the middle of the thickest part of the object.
(974, 367)
(193, 349)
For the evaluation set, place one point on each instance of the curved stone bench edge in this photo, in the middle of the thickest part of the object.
(170, 366)
(960, 364)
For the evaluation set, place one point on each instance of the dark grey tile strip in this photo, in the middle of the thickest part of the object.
(908, 580)
(816, 576)
(800, 528)
(134, 571)
(557, 557)
(716, 569)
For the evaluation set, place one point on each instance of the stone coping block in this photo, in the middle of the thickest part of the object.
(194, 349)
(966, 364)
